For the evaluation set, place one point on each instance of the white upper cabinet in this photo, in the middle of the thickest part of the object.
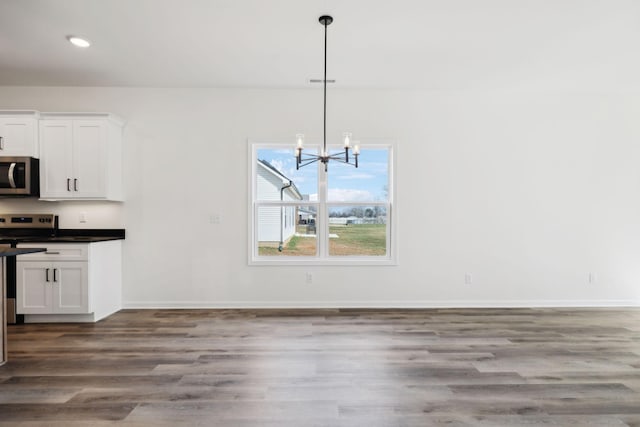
(57, 151)
(81, 157)
(19, 133)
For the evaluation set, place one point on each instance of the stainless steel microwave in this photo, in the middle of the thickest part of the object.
(19, 176)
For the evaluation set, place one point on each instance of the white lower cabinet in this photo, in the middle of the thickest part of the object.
(53, 288)
(69, 282)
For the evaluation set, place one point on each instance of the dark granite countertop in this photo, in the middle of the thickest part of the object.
(68, 239)
(19, 251)
(68, 235)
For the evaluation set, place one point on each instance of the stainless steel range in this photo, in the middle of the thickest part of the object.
(15, 228)
(26, 224)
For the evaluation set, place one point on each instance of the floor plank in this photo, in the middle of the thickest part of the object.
(347, 367)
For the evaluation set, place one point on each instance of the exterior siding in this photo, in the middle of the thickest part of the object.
(268, 188)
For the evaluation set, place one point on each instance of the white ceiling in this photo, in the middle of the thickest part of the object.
(437, 44)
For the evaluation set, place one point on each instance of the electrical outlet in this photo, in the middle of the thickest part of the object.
(309, 278)
(468, 278)
(82, 217)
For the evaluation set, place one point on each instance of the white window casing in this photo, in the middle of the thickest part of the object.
(267, 213)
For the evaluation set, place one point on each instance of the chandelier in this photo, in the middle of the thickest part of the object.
(304, 159)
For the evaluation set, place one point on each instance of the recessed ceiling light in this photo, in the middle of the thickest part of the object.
(78, 41)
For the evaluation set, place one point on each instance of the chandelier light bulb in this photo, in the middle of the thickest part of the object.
(300, 139)
(347, 139)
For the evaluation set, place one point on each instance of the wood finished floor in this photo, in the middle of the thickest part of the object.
(455, 367)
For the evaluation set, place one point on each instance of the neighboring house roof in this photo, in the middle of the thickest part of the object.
(270, 168)
(306, 210)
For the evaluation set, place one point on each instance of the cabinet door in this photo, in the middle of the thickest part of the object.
(71, 287)
(34, 293)
(90, 155)
(56, 146)
(18, 137)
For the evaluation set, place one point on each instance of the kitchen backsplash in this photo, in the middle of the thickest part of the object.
(76, 214)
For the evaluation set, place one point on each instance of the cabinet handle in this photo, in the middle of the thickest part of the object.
(46, 272)
(52, 253)
(1, 142)
(54, 275)
(75, 184)
(68, 184)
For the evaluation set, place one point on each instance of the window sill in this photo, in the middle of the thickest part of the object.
(288, 262)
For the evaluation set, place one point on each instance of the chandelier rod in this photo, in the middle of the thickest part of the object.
(325, 21)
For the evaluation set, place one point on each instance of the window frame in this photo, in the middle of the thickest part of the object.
(322, 206)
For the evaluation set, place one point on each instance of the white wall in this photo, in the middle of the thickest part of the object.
(529, 192)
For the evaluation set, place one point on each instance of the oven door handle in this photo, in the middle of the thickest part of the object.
(11, 173)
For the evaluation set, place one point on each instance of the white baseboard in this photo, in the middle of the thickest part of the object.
(381, 304)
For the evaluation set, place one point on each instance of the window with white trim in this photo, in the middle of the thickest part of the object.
(309, 216)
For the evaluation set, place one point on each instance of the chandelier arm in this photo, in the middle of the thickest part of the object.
(309, 162)
(309, 157)
(343, 161)
(338, 154)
